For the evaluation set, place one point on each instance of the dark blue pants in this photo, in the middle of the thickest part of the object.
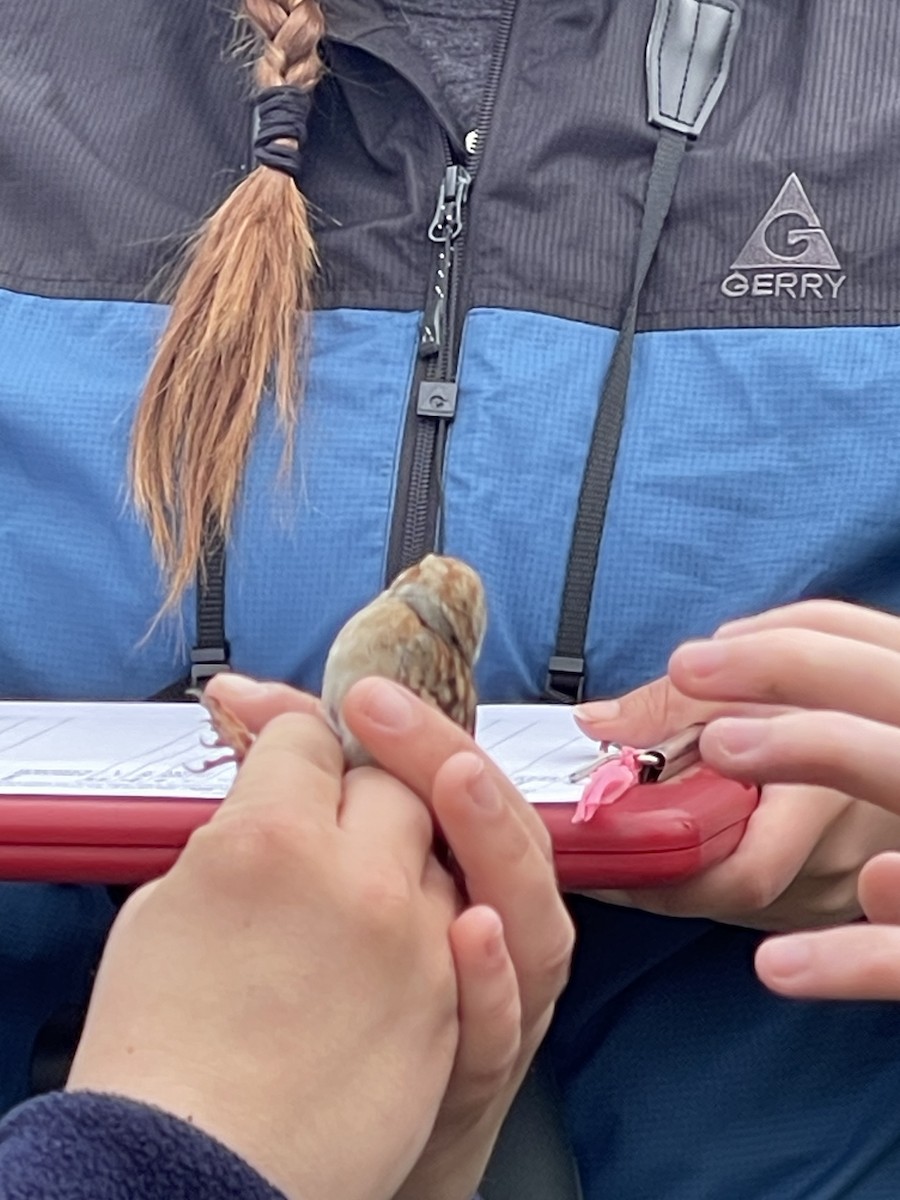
(50, 943)
(684, 1079)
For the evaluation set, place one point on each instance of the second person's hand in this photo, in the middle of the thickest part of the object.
(798, 863)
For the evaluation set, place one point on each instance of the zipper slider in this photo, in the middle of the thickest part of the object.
(447, 222)
(446, 226)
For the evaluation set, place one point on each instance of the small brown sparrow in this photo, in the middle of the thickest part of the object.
(424, 631)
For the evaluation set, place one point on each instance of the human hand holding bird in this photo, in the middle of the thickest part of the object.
(424, 632)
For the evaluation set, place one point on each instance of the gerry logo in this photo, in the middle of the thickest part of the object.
(787, 254)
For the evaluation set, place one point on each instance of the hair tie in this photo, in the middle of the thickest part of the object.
(281, 112)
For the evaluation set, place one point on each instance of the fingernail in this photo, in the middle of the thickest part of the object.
(598, 711)
(493, 943)
(242, 686)
(786, 957)
(482, 790)
(387, 705)
(738, 737)
(702, 658)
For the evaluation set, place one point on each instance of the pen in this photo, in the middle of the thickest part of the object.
(658, 763)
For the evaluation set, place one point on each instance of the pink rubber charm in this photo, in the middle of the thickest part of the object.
(607, 784)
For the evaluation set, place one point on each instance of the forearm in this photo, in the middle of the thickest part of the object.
(84, 1146)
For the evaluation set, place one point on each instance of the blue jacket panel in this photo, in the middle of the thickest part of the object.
(751, 472)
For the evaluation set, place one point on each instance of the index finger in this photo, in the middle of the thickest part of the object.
(387, 816)
(274, 824)
(297, 762)
(827, 616)
(800, 668)
(656, 711)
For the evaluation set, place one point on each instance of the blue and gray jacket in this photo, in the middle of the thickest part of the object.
(755, 464)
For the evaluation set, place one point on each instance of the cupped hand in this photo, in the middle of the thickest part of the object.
(758, 682)
(289, 985)
(848, 666)
(502, 849)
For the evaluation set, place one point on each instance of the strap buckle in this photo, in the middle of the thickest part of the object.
(565, 680)
(206, 662)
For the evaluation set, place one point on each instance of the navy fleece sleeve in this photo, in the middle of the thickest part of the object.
(81, 1146)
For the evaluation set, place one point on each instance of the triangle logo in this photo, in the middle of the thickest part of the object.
(802, 242)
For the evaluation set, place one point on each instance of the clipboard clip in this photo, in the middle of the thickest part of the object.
(657, 763)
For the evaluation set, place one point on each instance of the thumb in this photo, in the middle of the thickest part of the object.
(643, 716)
(879, 889)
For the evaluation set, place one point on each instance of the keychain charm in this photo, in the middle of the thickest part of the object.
(619, 768)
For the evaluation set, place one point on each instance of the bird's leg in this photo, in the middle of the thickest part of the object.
(230, 733)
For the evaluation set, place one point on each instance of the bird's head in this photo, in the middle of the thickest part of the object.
(448, 596)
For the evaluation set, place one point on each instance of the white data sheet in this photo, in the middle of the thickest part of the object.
(157, 750)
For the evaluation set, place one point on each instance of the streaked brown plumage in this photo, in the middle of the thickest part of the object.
(424, 631)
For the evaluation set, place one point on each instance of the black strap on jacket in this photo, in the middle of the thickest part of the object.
(688, 57)
(210, 653)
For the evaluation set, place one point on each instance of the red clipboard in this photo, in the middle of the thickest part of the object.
(656, 834)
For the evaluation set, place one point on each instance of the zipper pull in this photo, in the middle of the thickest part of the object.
(447, 222)
(431, 338)
(446, 226)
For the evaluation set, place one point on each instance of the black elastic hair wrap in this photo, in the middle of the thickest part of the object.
(281, 112)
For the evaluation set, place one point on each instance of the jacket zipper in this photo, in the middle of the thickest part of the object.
(434, 388)
(433, 395)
